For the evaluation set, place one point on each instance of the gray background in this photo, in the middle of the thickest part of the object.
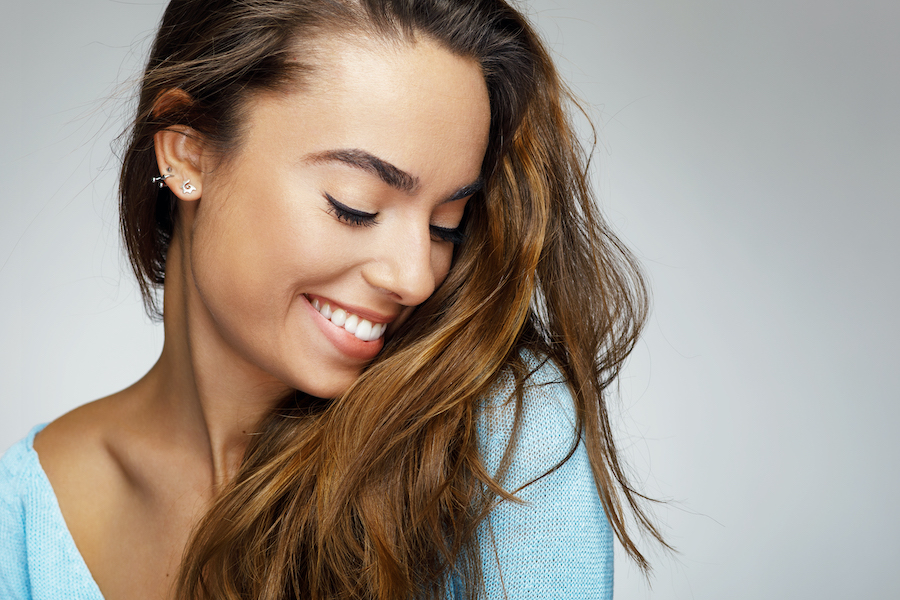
(747, 151)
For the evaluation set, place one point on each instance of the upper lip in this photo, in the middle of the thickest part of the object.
(359, 311)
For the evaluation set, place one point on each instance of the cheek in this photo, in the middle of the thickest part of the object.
(246, 258)
(441, 261)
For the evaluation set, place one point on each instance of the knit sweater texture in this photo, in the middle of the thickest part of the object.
(556, 544)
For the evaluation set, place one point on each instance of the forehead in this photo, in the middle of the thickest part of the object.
(337, 55)
(414, 104)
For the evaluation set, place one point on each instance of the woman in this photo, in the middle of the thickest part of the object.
(390, 313)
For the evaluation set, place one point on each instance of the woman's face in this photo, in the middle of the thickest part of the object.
(345, 194)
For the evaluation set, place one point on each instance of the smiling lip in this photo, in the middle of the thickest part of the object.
(360, 312)
(345, 341)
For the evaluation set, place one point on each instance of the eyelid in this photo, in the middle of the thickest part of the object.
(348, 215)
(455, 236)
(359, 218)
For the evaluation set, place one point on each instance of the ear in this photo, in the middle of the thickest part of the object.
(179, 154)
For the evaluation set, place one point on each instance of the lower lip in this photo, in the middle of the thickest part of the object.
(343, 340)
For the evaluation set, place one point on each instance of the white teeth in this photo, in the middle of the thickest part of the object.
(363, 329)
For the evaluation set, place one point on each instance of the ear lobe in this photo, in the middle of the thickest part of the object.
(179, 154)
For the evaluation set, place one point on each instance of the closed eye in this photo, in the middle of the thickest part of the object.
(359, 218)
(455, 236)
(348, 215)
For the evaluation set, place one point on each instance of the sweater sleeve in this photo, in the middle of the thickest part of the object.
(38, 558)
(14, 583)
(557, 543)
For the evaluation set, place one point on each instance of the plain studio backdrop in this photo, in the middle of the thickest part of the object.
(748, 152)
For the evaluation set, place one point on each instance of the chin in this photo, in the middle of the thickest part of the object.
(330, 386)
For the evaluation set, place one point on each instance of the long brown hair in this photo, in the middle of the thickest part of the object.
(378, 493)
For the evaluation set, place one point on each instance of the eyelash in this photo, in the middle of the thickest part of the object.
(358, 218)
(349, 215)
(443, 234)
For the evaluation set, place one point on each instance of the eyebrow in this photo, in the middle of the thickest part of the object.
(388, 173)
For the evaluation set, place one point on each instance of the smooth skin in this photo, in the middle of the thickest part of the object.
(133, 472)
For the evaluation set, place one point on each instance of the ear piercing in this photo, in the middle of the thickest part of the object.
(187, 188)
(160, 180)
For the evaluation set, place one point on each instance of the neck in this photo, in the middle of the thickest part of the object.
(202, 391)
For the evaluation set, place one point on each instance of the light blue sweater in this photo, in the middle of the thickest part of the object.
(557, 545)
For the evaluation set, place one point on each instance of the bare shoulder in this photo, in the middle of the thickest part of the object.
(125, 494)
(75, 446)
(87, 479)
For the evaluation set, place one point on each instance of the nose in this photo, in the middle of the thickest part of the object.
(404, 267)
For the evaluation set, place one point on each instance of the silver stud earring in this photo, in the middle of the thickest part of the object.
(161, 180)
(187, 188)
